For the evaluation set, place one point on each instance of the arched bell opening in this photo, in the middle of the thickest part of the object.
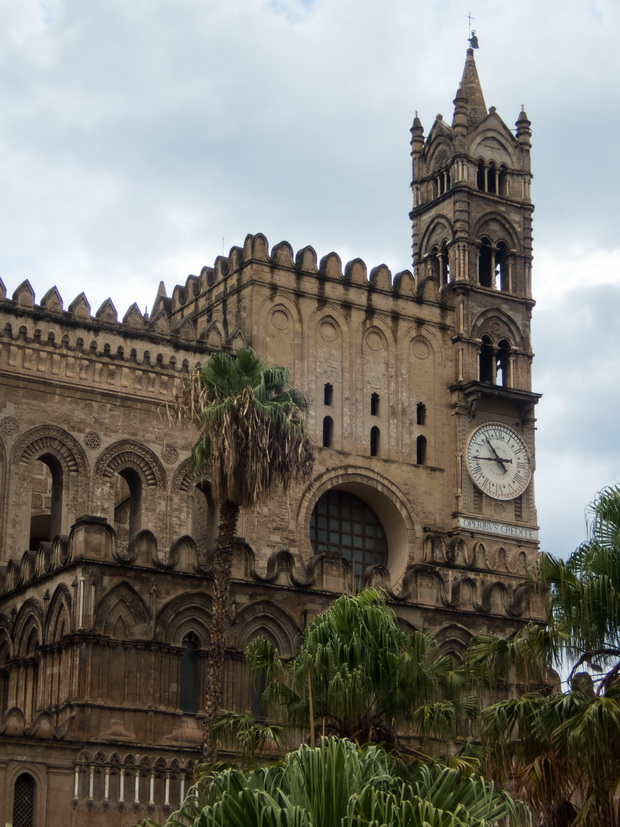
(485, 263)
(487, 361)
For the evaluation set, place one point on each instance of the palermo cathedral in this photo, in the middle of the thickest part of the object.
(422, 411)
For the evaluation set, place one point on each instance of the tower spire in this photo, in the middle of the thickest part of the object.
(470, 88)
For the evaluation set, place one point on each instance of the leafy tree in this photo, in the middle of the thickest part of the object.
(337, 784)
(359, 675)
(252, 440)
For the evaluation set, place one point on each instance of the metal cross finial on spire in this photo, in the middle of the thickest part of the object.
(473, 40)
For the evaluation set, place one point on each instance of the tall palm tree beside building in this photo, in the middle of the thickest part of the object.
(252, 440)
(562, 750)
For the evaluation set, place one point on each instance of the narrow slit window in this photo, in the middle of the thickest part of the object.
(374, 441)
(328, 432)
(328, 394)
(421, 413)
(374, 404)
(421, 450)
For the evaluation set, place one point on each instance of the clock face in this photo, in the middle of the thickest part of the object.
(498, 461)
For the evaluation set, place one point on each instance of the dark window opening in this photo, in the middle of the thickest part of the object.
(328, 394)
(492, 179)
(46, 500)
(374, 404)
(420, 445)
(444, 265)
(328, 432)
(485, 263)
(127, 504)
(421, 413)
(501, 181)
(501, 267)
(502, 369)
(23, 800)
(481, 176)
(345, 525)
(486, 360)
(188, 694)
(374, 441)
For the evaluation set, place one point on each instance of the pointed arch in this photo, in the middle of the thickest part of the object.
(439, 230)
(269, 620)
(183, 614)
(122, 601)
(28, 626)
(497, 324)
(496, 226)
(58, 619)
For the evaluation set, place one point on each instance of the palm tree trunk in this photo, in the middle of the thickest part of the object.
(222, 568)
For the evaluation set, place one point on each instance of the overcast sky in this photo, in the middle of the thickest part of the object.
(141, 138)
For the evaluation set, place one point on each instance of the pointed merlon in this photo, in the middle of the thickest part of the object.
(80, 307)
(471, 89)
(161, 294)
(24, 294)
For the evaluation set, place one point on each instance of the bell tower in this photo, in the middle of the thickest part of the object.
(472, 235)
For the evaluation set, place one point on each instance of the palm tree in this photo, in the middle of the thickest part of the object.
(252, 441)
(359, 675)
(584, 592)
(337, 784)
(562, 750)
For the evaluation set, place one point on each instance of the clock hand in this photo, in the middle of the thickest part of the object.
(493, 459)
(498, 459)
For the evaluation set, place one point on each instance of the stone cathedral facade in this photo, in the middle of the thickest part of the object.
(422, 411)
